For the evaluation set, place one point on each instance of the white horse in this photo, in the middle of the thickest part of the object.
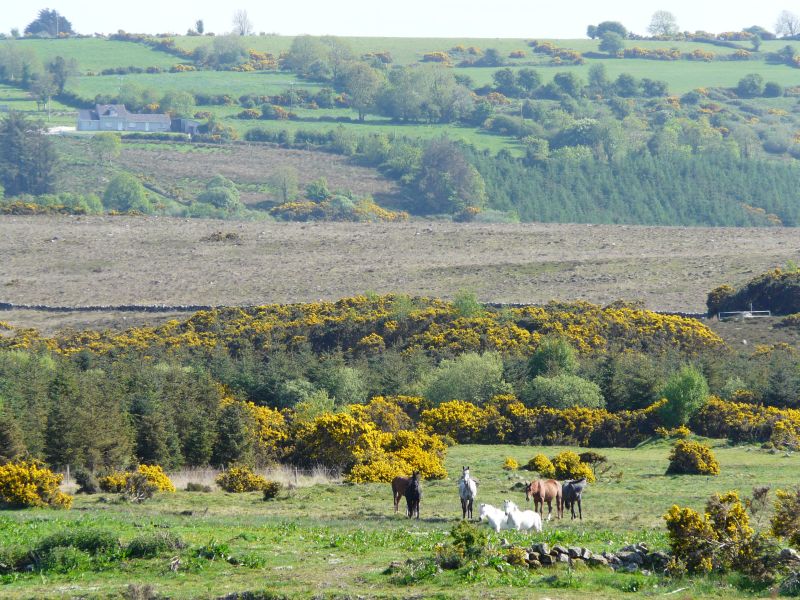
(467, 489)
(522, 520)
(495, 518)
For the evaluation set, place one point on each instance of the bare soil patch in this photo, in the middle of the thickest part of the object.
(65, 260)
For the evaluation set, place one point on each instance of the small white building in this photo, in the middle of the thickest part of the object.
(115, 117)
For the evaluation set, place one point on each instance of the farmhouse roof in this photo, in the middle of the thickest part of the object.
(119, 111)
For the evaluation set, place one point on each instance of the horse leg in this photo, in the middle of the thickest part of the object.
(580, 512)
(549, 509)
(463, 509)
(469, 509)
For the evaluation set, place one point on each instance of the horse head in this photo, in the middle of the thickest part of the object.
(465, 473)
(531, 489)
(509, 506)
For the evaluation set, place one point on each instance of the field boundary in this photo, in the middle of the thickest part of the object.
(158, 308)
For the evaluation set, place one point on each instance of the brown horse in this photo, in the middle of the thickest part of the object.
(399, 486)
(545, 490)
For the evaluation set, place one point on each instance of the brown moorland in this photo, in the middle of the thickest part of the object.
(67, 260)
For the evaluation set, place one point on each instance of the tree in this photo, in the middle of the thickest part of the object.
(106, 146)
(471, 377)
(199, 26)
(686, 392)
(626, 85)
(362, 84)
(284, 181)
(529, 79)
(11, 444)
(598, 79)
(612, 42)
(61, 69)
(614, 26)
(553, 356)
(773, 89)
(28, 158)
(663, 23)
(125, 194)
(750, 86)
(49, 22)
(43, 88)
(447, 182)
(505, 80)
(788, 24)
(242, 25)
(234, 442)
(562, 391)
(569, 83)
(178, 104)
(221, 193)
(591, 32)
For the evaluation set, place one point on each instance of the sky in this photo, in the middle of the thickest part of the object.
(405, 18)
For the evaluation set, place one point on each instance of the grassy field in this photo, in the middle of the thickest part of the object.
(82, 260)
(96, 54)
(329, 538)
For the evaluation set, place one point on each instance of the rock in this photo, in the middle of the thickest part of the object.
(533, 555)
(541, 548)
(558, 550)
(789, 555)
(612, 559)
(534, 564)
(574, 552)
(597, 561)
(630, 567)
(630, 557)
(577, 563)
(657, 561)
(564, 558)
(505, 544)
(546, 560)
(586, 554)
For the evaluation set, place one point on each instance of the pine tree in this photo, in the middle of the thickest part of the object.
(11, 444)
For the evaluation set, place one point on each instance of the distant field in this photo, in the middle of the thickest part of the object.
(96, 54)
(197, 82)
(129, 260)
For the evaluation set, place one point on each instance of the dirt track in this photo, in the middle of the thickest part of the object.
(123, 260)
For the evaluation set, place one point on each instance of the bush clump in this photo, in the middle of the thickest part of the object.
(240, 479)
(93, 541)
(197, 487)
(510, 464)
(150, 545)
(568, 465)
(692, 458)
(87, 482)
(785, 522)
(118, 481)
(63, 559)
(29, 483)
(542, 465)
(271, 489)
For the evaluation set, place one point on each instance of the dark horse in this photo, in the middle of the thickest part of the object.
(571, 492)
(413, 495)
(399, 486)
(545, 490)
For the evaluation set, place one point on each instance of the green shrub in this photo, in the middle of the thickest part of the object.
(197, 487)
(686, 392)
(692, 458)
(87, 482)
(150, 545)
(271, 489)
(554, 355)
(63, 559)
(563, 391)
(93, 541)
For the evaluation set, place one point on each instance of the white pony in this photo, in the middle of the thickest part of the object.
(522, 520)
(495, 518)
(467, 490)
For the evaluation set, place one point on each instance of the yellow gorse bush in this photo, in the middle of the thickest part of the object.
(116, 481)
(692, 458)
(510, 464)
(28, 483)
(568, 465)
(542, 465)
(238, 480)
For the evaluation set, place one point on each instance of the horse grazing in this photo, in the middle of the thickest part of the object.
(399, 486)
(522, 520)
(495, 518)
(413, 495)
(571, 492)
(467, 489)
(545, 490)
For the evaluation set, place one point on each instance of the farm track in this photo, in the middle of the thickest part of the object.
(81, 261)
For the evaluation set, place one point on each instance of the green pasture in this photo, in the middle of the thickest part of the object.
(336, 539)
(96, 54)
(196, 82)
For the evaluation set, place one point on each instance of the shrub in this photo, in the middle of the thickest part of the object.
(510, 464)
(93, 541)
(87, 482)
(155, 475)
(471, 377)
(63, 560)
(114, 482)
(554, 355)
(785, 522)
(29, 483)
(139, 488)
(271, 489)
(197, 487)
(692, 458)
(150, 545)
(563, 391)
(568, 465)
(237, 480)
(686, 392)
(542, 465)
